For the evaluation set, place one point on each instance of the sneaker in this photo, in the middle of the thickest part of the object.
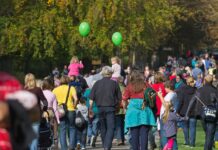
(83, 148)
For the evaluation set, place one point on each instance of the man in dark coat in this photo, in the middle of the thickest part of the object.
(107, 95)
(208, 96)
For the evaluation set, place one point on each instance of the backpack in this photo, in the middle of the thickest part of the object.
(80, 121)
(150, 97)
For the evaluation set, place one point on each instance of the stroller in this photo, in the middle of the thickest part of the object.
(45, 135)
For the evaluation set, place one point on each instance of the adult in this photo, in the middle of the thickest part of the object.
(106, 93)
(196, 71)
(30, 85)
(159, 86)
(139, 117)
(47, 86)
(208, 96)
(189, 126)
(67, 123)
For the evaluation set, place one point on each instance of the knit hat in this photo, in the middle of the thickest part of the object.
(8, 84)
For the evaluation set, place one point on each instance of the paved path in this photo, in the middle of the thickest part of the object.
(114, 147)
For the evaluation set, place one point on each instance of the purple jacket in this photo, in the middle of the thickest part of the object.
(170, 126)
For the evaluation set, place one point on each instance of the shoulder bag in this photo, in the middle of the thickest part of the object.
(209, 113)
(62, 108)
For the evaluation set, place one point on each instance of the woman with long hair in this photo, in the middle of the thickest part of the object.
(30, 85)
(139, 117)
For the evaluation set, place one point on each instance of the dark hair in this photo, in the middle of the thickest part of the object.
(47, 84)
(169, 84)
(82, 100)
(137, 81)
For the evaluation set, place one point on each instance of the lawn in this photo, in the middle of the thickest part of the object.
(200, 138)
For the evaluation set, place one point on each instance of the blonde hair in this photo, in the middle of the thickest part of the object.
(190, 81)
(168, 107)
(116, 59)
(74, 59)
(30, 81)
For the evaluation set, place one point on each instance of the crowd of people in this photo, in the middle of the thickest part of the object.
(129, 106)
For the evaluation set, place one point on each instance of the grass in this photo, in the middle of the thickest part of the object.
(200, 139)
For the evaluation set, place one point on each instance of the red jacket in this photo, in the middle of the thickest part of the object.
(157, 87)
(5, 143)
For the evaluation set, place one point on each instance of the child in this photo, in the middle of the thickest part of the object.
(93, 123)
(82, 127)
(75, 66)
(116, 68)
(170, 124)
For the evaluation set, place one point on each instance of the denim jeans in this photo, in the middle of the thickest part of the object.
(34, 144)
(93, 127)
(107, 125)
(81, 136)
(189, 130)
(119, 127)
(163, 138)
(68, 124)
(139, 137)
(210, 129)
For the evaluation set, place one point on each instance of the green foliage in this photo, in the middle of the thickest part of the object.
(49, 28)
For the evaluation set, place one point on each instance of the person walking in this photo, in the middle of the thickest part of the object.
(189, 126)
(107, 95)
(206, 97)
(64, 93)
(139, 117)
(30, 85)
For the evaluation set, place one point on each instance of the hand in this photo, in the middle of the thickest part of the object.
(159, 93)
(80, 62)
(91, 113)
(186, 118)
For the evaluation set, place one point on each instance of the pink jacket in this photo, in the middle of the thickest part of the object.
(74, 69)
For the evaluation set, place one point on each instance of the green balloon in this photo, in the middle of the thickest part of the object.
(117, 38)
(84, 29)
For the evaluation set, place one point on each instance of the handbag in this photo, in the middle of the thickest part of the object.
(209, 113)
(80, 121)
(62, 108)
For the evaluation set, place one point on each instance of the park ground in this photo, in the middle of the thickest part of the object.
(200, 138)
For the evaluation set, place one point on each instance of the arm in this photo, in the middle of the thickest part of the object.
(181, 102)
(55, 107)
(75, 99)
(81, 66)
(192, 101)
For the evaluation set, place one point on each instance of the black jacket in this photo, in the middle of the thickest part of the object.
(204, 93)
(106, 93)
(184, 98)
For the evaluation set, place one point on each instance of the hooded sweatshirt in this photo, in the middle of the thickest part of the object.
(184, 98)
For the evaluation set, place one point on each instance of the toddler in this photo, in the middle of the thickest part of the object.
(116, 68)
(75, 66)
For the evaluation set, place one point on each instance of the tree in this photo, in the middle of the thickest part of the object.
(48, 29)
